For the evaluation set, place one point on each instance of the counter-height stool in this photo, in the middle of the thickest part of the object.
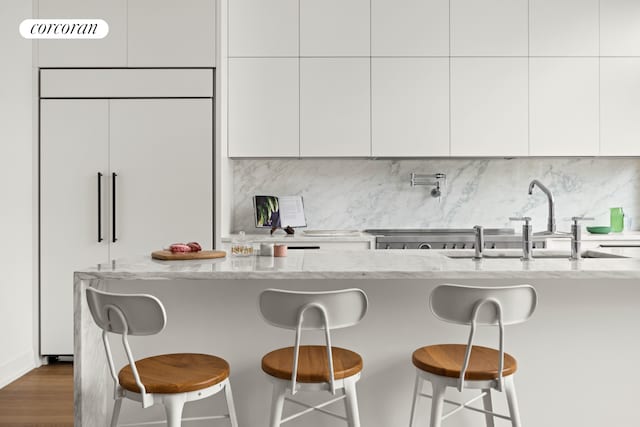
(313, 367)
(471, 366)
(172, 379)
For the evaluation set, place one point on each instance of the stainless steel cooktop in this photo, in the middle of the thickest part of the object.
(445, 238)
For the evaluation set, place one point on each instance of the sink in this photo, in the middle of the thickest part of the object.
(537, 254)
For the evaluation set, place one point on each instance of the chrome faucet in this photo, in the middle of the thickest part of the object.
(551, 220)
(479, 242)
(527, 242)
(576, 236)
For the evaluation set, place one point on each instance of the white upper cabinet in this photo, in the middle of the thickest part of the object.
(489, 107)
(263, 107)
(620, 107)
(489, 27)
(263, 28)
(620, 28)
(410, 27)
(564, 27)
(110, 51)
(334, 28)
(142, 33)
(564, 107)
(410, 107)
(171, 33)
(335, 107)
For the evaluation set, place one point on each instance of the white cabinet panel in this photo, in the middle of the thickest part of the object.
(564, 27)
(263, 107)
(564, 107)
(161, 150)
(619, 29)
(620, 106)
(334, 28)
(489, 27)
(126, 83)
(335, 107)
(110, 51)
(74, 149)
(263, 28)
(171, 33)
(410, 107)
(410, 27)
(489, 107)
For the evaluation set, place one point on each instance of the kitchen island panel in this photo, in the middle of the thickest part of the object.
(565, 352)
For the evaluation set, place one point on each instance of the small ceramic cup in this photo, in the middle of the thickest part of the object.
(280, 250)
(266, 249)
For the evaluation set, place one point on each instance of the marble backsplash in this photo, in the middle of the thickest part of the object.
(360, 194)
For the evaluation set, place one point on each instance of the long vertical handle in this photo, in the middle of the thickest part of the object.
(113, 207)
(100, 239)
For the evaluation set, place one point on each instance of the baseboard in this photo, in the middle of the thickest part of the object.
(14, 369)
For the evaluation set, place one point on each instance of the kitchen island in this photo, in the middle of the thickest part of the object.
(576, 355)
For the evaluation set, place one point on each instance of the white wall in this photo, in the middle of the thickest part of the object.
(18, 338)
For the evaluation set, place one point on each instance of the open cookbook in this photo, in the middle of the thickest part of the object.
(279, 211)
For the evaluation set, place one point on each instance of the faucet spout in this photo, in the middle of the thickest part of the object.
(551, 220)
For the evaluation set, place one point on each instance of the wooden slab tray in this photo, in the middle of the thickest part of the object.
(170, 256)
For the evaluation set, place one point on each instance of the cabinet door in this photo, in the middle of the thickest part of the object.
(564, 107)
(489, 104)
(74, 146)
(619, 29)
(489, 27)
(263, 107)
(335, 28)
(410, 107)
(564, 27)
(161, 151)
(620, 106)
(335, 107)
(171, 33)
(410, 27)
(263, 28)
(110, 51)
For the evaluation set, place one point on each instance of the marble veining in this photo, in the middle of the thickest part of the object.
(388, 264)
(360, 193)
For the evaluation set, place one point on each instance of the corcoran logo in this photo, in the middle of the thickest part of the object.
(64, 28)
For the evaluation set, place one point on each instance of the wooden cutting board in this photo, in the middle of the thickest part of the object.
(170, 256)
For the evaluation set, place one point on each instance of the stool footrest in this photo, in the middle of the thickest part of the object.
(150, 423)
(311, 408)
(461, 406)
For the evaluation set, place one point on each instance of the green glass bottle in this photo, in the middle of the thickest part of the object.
(617, 220)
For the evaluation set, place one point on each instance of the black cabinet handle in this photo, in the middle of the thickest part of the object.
(100, 239)
(113, 207)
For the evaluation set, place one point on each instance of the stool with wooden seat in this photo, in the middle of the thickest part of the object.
(172, 379)
(470, 366)
(313, 367)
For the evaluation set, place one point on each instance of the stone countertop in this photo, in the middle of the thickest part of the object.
(301, 237)
(626, 235)
(387, 264)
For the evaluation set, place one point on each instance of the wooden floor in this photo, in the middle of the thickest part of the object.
(41, 398)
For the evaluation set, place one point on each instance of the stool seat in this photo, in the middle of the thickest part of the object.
(446, 360)
(312, 363)
(175, 373)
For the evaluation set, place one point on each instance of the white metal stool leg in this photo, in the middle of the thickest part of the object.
(230, 405)
(352, 404)
(488, 406)
(437, 404)
(277, 403)
(416, 396)
(173, 405)
(116, 412)
(512, 401)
